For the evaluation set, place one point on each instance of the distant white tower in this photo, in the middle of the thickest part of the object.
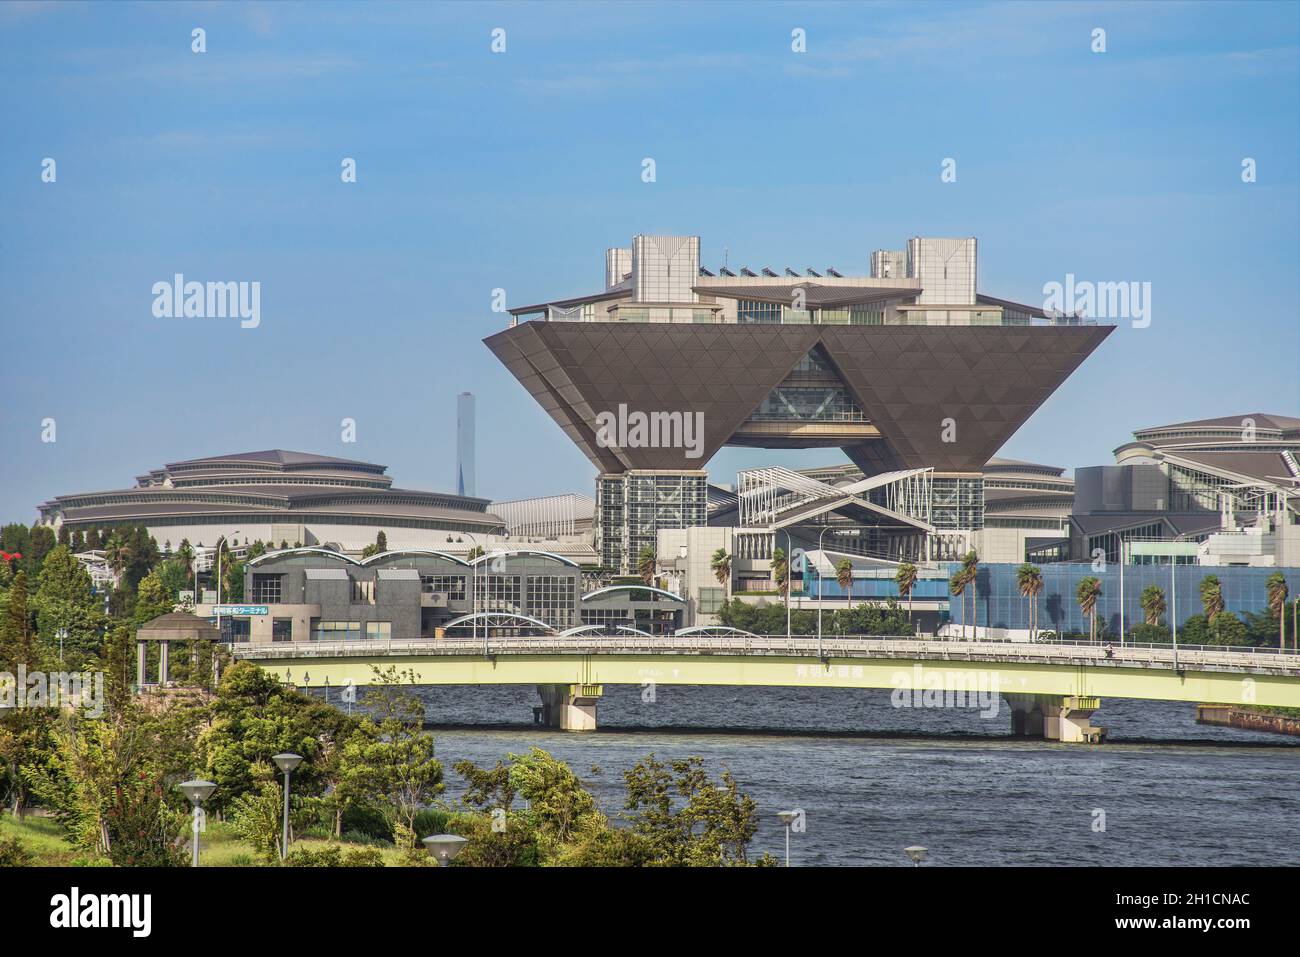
(465, 444)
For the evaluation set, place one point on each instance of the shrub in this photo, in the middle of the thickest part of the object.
(13, 854)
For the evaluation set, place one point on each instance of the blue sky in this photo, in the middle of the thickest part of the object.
(479, 170)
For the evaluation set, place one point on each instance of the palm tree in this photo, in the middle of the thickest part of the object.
(780, 570)
(1212, 600)
(721, 565)
(906, 579)
(957, 588)
(970, 563)
(1153, 604)
(645, 564)
(118, 552)
(1277, 594)
(1086, 594)
(1029, 578)
(844, 575)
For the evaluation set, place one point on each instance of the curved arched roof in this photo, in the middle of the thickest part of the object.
(305, 550)
(486, 615)
(525, 551)
(611, 588)
(714, 630)
(412, 552)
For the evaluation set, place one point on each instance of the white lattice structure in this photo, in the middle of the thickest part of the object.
(766, 495)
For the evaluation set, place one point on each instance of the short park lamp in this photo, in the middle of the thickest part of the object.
(788, 818)
(444, 847)
(196, 792)
(917, 853)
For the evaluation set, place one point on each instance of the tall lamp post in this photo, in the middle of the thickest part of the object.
(857, 529)
(788, 818)
(287, 762)
(220, 541)
(443, 848)
(197, 792)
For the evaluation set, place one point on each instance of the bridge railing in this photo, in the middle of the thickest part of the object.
(1161, 655)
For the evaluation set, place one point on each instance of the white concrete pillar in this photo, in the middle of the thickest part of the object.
(163, 656)
(569, 707)
(140, 662)
(1055, 717)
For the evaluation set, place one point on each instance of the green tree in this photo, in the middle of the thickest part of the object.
(65, 603)
(40, 542)
(1029, 579)
(255, 814)
(686, 818)
(1212, 600)
(17, 645)
(1086, 593)
(721, 565)
(1153, 604)
(109, 783)
(394, 756)
(957, 588)
(1277, 594)
(780, 571)
(645, 564)
(905, 578)
(970, 565)
(152, 599)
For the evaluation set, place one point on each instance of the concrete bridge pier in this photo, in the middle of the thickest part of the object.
(569, 707)
(1055, 717)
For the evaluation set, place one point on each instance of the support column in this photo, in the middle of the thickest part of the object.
(569, 707)
(1055, 717)
(163, 657)
(140, 661)
(1026, 714)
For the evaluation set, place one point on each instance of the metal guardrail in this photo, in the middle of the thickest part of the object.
(1196, 657)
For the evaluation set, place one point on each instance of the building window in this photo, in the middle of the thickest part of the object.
(753, 311)
(363, 592)
(499, 593)
(711, 600)
(452, 585)
(552, 598)
(282, 629)
(379, 629)
(239, 630)
(335, 630)
(266, 589)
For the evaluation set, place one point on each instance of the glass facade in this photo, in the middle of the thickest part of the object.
(1001, 605)
(552, 598)
(452, 585)
(266, 589)
(957, 502)
(335, 630)
(632, 507)
(813, 392)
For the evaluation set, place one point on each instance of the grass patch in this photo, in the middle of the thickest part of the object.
(218, 845)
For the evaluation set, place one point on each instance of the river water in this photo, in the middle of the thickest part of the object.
(873, 779)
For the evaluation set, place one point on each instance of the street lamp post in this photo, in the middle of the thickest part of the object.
(197, 792)
(286, 761)
(473, 588)
(220, 542)
(787, 818)
(917, 853)
(443, 848)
